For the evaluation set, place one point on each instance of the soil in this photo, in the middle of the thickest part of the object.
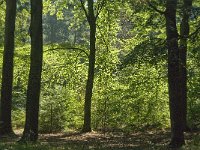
(140, 140)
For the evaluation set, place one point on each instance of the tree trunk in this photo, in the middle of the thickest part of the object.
(33, 92)
(184, 33)
(90, 80)
(175, 103)
(7, 71)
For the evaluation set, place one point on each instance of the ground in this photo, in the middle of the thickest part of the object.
(140, 140)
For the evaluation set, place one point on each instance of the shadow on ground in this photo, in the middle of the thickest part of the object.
(146, 140)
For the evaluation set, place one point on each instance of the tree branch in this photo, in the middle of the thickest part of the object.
(84, 9)
(155, 8)
(195, 32)
(63, 48)
(99, 8)
(192, 34)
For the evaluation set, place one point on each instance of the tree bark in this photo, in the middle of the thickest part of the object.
(175, 103)
(7, 71)
(90, 81)
(184, 33)
(33, 92)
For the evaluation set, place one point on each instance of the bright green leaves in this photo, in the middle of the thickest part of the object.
(63, 83)
(130, 87)
(2, 20)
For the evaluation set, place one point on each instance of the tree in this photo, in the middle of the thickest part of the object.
(34, 83)
(7, 71)
(177, 69)
(91, 18)
(175, 101)
(184, 34)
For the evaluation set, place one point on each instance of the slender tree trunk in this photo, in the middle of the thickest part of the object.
(90, 80)
(184, 33)
(175, 103)
(33, 92)
(7, 72)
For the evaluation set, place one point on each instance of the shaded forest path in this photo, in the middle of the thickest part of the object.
(140, 140)
(111, 140)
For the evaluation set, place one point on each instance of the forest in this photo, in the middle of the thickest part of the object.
(99, 74)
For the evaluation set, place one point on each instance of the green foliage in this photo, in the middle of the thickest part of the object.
(62, 89)
(193, 88)
(130, 90)
(2, 21)
(18, 118)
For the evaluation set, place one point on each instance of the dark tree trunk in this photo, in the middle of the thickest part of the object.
(33, 92)
(89, 86)
(7, 72)
(175, 103)
(184, 33)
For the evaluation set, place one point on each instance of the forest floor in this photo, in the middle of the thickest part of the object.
(140, 140)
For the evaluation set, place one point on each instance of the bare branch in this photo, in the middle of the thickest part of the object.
(63, 48)
(195, 32)
(155, 8)
(100, 7)
(84, 9)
